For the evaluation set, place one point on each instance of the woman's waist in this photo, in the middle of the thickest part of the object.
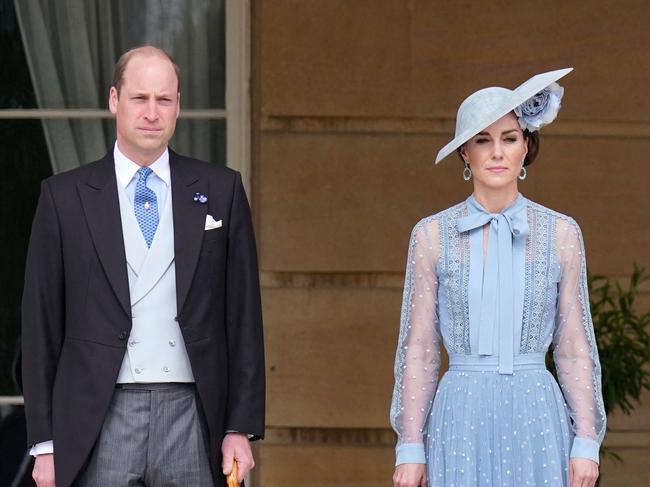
(490, 363)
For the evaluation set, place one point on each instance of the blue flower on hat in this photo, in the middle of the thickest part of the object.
(541, 108)
(200, 198)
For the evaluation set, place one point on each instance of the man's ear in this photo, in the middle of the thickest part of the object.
(112, 100)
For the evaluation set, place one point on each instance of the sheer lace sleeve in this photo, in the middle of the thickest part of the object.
(418, 351)
(575, 352)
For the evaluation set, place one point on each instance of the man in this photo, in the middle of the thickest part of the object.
(142, 336)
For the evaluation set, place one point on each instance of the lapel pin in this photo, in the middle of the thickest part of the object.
(200, 198)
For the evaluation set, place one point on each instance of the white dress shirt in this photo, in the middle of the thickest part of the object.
(158, 182)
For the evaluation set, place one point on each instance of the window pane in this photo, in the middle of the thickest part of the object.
(24, 162)
(192, 31)
(201, 139)
(15, 84)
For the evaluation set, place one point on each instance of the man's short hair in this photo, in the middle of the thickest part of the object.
(120, 65)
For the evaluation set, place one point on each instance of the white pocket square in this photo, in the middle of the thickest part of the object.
(211, 223)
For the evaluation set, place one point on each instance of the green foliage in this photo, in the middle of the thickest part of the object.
(623, 337)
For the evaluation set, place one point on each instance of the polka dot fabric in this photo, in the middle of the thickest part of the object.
(145, 205)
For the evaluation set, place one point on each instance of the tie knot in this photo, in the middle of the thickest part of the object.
(143, 173)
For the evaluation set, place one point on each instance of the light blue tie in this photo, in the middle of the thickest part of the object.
(497, 296)
(145, 205)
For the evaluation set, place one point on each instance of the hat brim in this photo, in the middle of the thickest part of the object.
(519, 95)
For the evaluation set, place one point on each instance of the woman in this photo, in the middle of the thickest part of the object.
(497, 279)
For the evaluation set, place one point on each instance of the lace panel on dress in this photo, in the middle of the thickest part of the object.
(537, 298)
(455, 261)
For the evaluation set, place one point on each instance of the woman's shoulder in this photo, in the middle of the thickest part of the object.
(541, 210)
(453, 212)
(435, 220)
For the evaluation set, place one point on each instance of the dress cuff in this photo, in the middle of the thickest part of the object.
(410, 453)
(42, 448)
(585, 448)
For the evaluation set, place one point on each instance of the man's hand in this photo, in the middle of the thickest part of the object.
(43, 473)
(237, 446)
(582, 472)
(410, 475)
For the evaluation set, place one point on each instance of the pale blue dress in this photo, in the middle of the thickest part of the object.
(496, 290)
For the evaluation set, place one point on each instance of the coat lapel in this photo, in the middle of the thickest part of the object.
(189, 223)
(99, 199)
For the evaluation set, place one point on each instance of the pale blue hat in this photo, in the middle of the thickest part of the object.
(484, 107)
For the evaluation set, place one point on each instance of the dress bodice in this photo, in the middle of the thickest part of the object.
(485, 272)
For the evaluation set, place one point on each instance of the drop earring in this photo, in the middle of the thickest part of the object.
(467, 172)
(523, 174)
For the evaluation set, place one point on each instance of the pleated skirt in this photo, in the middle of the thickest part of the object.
(493, 430)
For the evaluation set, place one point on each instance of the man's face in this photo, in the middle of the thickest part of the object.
(146, 109)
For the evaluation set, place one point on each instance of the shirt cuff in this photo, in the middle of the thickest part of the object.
(585, 448)
(42, 448)
(250, 437)
(410, 453)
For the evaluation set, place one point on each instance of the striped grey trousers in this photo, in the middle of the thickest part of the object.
(153, 436)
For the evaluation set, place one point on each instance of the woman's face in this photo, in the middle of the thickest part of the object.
(496, 154)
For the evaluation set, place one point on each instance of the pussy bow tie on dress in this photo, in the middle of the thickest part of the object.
(497, 296)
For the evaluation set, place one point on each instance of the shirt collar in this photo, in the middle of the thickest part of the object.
(125, 168)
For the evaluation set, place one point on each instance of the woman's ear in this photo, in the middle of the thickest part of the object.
(463, 154)
(526, 141)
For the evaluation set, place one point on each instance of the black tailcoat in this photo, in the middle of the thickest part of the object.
(77, 315)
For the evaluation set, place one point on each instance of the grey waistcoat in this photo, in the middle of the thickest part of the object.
(156, 350)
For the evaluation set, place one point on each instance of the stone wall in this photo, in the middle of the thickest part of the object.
(351, 101)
